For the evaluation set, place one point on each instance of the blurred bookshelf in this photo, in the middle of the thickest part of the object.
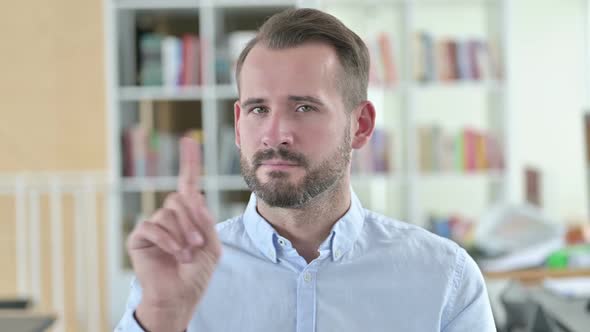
(439, 85)
(170, 72)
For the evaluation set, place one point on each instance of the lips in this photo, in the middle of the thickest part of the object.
(278, 163)
(281, 158)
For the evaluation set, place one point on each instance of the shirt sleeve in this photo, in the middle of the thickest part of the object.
(128, 323)
(468, 307)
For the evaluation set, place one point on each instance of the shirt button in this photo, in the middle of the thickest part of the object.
(282, 242)
(307, 277)
(337, 253)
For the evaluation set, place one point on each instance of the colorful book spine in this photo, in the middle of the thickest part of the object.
(376, 156)
(451, 59)
(170, 61)
(150, 50)
(152, 153)
(471, 150)
(386, 56)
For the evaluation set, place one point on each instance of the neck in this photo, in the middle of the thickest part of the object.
(308, 226)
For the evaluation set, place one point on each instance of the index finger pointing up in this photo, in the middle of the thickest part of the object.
(190, 166)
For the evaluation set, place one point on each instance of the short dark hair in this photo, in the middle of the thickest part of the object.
(294, 27)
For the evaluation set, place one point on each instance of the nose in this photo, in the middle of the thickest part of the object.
(277, 131)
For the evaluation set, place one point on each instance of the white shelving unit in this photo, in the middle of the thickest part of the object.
(418, 103)
(399, 193)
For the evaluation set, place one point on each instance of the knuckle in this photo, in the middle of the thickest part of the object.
(167, 214)
(171, 199)
(139, 228)
(158, 237)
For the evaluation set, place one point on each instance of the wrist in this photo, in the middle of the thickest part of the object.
(154, 318)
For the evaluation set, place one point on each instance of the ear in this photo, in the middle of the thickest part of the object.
(363, 119)
(237, 112)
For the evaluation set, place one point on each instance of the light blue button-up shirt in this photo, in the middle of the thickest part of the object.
(373, 274)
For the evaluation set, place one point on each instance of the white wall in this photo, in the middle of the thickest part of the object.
(549, 94)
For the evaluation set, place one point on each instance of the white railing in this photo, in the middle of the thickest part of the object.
(86, 189)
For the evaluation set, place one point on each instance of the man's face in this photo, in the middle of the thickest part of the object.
(291, 126)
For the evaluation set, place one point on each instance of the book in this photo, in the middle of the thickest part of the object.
(382, 64)
(460, 153)
(474, 70)
(481, 154)
(139, 150)
(171, 61)
(153, 152)
(381, 149)
(419, 60)
(376, 156)
(375, 63)
(494, 153)
(127, 158)
(229, 157)
(532, 186)
(470, 150)
(387, 58)
(425, 144)
(168, 154)
(451, 59)
(429, 57)
(435, 147)
(463, 65)
(443, 65)
(191, 73)
(424, 57)
(150, 51)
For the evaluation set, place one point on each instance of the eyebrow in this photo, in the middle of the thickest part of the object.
(310, 99)
(252, 101)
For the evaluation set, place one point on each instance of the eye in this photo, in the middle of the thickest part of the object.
(304, 108)
(258, 110)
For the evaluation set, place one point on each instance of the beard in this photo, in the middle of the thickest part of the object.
(279, 191)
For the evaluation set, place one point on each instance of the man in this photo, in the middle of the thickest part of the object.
(305, 255)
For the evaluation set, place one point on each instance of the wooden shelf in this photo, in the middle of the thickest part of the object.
(138, 93)
(492, 175)
(534, 276)
(467, 85)
(157, 4)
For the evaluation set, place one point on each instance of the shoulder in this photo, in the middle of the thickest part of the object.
(414, 239)
(418, 250)
(423, 255)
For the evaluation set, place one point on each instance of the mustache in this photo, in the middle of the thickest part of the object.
(281, 153)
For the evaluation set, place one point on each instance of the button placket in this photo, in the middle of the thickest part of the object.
(306, 299)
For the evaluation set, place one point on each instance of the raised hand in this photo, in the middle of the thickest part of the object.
(175, 252)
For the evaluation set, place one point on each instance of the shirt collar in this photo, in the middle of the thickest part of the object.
(341, 239)
(259, 230)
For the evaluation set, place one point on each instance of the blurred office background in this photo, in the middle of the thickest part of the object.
(481, 137)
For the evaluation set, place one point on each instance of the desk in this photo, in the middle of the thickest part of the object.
(571, 313)
(535, 276)
(24, 321)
